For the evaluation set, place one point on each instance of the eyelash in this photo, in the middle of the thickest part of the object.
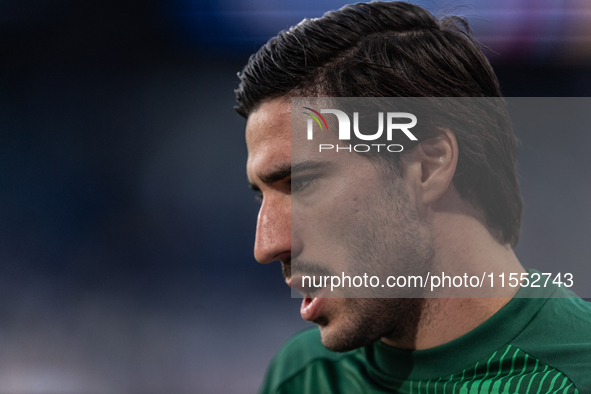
(303, 182)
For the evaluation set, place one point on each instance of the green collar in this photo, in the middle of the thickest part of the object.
(391, 364)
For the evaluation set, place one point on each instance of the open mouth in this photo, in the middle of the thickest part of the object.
(313, 301)
(311, 306)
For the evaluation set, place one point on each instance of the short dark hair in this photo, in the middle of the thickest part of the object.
(397, 49)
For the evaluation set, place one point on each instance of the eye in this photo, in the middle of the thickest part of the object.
(301, 183)
(258, 197)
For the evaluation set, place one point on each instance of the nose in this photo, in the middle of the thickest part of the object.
(273, 234)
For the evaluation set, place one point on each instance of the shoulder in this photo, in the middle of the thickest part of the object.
(560, 336)
(302, 355)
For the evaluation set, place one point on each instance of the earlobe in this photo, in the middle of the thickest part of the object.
(439, 158)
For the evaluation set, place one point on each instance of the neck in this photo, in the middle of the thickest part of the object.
(445, 319)
(463, 242)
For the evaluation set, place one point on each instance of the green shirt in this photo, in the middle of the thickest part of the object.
(531, 345)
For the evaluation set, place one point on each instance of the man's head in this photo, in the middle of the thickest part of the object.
(396, 49)
(374, 50)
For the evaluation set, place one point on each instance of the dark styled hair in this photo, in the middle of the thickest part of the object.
(397, 49)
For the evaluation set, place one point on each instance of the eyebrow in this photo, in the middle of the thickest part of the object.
(286, 170)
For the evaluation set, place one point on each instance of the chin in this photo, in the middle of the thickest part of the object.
(360, 322)
(342, 337)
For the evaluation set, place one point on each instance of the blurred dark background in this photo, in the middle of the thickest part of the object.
(126, 223)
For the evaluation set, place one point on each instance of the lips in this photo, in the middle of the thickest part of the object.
(312, 306)
(313, 298)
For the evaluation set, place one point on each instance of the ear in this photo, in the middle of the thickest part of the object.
(438, 158)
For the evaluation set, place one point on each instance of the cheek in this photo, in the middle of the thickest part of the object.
(339, 218)
(353, 196)
(355, 210)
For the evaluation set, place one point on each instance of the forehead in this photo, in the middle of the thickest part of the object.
(268, 136)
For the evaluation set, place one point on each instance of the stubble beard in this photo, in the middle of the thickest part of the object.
(404, 248)
(366, 320)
